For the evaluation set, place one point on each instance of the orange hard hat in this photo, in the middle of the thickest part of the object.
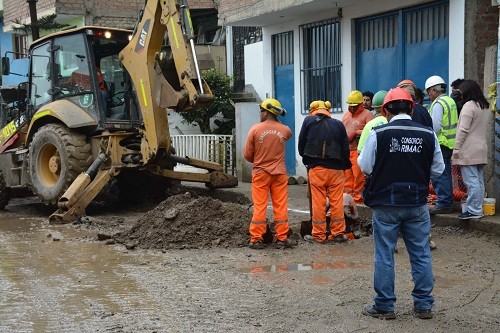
(398, 95)
(406, 83)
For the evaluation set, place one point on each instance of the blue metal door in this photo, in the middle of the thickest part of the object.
(408, 44)
(282, 45)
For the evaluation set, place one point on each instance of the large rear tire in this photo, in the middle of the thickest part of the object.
(4, 192)
(57, 156)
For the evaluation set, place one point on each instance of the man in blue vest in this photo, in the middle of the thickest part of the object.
(444, 115)
(399, 158)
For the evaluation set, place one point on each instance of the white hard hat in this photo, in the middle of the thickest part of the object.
(433, 81)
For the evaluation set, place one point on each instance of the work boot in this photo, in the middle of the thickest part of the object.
(422, 314)
(309, 238)
(257, 245)
(372, 311)
(283, 244)
(433, 210)
(340, 238)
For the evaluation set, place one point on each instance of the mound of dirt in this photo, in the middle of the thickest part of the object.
(189, 221)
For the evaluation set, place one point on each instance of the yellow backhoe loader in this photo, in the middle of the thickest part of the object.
(93, 107)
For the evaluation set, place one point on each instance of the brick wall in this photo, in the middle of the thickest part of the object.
(114, 13)
(18, 9)
(200, 4)
(228, 6)
(481, 31)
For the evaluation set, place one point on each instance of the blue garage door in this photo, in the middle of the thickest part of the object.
(282, 46)
(407, 44)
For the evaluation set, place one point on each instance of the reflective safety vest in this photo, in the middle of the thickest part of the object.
(446, 135)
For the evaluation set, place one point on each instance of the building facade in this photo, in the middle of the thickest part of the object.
(313, 49)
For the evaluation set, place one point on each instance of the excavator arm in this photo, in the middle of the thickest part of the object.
(163, 78)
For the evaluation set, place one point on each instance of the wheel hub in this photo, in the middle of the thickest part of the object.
(55, 165)
(49, 165)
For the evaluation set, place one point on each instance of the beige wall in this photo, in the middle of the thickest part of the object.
(212, 57)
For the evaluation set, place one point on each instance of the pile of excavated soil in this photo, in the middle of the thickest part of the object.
(190, 221)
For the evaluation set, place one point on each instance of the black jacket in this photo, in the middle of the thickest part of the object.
(323, 142)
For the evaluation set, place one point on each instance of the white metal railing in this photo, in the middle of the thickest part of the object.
(209, 147)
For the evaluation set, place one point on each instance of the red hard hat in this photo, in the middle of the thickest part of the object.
(398, 94)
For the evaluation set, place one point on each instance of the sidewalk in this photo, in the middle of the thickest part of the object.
(297, 196)
(489, 224)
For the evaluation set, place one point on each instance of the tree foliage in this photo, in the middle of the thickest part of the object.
(220, 84)
(47, 23)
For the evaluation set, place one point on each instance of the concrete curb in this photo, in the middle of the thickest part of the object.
(489, 224)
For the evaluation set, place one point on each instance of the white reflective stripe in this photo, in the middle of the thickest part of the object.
(293, 210)
(403, 128)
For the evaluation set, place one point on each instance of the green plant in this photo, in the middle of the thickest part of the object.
(47, 22)
(220, 84)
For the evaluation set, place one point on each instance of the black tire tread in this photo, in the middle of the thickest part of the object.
(4, 192)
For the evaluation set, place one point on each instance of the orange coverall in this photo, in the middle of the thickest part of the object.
(265, 148)
(330, 181)
(326, 175)
(354, 124)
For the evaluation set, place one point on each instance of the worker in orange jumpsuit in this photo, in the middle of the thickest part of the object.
(354, 122)
(324, 148)
(265, 148)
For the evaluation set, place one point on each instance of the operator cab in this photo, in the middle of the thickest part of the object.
(82, 66)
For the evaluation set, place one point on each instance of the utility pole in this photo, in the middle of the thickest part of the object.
(35, 32)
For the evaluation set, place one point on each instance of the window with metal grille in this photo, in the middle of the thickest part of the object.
(282, 49)
(241, 37)
(20, 46)
(427, 24)
(320, 65)
(378, 33)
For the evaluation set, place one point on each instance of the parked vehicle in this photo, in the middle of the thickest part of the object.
(93, 108)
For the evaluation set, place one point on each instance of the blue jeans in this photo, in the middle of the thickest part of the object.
(473, 176)
(414, 225)
(443, 184)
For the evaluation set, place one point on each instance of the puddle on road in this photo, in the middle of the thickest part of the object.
(42, 275)
(301, 267)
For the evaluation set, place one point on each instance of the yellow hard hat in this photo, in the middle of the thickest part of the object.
(354, 98)
(317, 105)
(272, 105)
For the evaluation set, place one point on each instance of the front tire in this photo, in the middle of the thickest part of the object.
(4, 192)
(57, 156)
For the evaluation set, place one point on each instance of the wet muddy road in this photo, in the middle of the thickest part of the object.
(61, 279)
